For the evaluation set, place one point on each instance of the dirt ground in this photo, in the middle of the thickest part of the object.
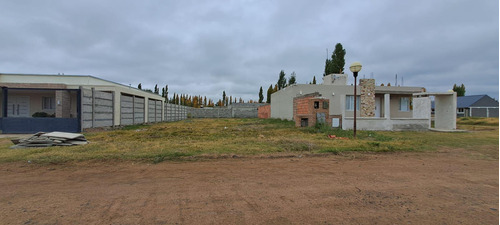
(445, 187)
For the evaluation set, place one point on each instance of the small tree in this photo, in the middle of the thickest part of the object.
(460, 90)
(261, 95)
(139, 86)
(314, 80)
(157, 90)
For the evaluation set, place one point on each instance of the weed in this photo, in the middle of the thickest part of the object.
(177, 140)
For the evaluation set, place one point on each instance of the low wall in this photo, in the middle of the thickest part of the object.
(364, 123)
(210, 112)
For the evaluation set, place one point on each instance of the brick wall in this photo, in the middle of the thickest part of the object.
(264, 112)
(303, 108)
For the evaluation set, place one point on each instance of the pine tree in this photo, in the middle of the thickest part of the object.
(261, 95)
(314, 80)
(337, 62)
(139, 86)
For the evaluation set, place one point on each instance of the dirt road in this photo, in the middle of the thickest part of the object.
(447, 187)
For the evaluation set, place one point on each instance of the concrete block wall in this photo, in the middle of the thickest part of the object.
(154, 111)
(210, 112)
(126, 110)
(245, 110)
(175, 112)
(97, 108)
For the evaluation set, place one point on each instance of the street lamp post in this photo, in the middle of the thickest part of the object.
(355, 68)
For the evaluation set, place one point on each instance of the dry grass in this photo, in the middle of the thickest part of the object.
(197, 138)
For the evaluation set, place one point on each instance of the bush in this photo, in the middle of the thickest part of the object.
(43, 114)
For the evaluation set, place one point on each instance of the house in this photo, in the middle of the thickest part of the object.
(40, 102)
(377, 107)
(477, 106)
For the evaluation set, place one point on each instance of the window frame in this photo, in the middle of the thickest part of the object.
(51, 103)
(349, 102)
(401, 105)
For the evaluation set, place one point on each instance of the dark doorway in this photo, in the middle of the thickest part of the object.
(304, 122)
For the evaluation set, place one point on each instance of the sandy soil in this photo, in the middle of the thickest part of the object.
(446, 187)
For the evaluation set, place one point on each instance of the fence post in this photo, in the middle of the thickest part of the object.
(93, 106)
(133, 109)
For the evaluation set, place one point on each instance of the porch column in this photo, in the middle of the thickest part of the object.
(63, 104)
(146, 110)
(387, 106)
(5, 94)
(116, 107)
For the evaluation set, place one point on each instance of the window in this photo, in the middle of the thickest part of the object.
(316, 105)
(461, 110)
(325, 105)
(48, 103)
(349, 102)
(404, 104)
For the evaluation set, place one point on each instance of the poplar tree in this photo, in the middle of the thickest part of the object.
(314, 80)
(269, 92)
(292, 79)
(157, 90)
(281, 80)
(261, 95)
(223, 97)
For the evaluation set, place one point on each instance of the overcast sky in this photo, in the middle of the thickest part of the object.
(205, 47)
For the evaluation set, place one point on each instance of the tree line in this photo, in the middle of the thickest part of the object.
(196, 101)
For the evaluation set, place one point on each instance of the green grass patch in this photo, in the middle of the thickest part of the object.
(214, 137)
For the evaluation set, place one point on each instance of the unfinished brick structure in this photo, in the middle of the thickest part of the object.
(309, 109)
(264, 111)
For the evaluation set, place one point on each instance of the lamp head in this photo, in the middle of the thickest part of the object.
(355, 67)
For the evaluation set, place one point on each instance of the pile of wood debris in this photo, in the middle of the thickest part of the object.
(42, 139)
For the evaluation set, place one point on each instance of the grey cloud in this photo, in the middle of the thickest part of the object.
(203, 48)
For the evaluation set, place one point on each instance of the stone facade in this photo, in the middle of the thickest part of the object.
(309, 109)
(367, 94)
